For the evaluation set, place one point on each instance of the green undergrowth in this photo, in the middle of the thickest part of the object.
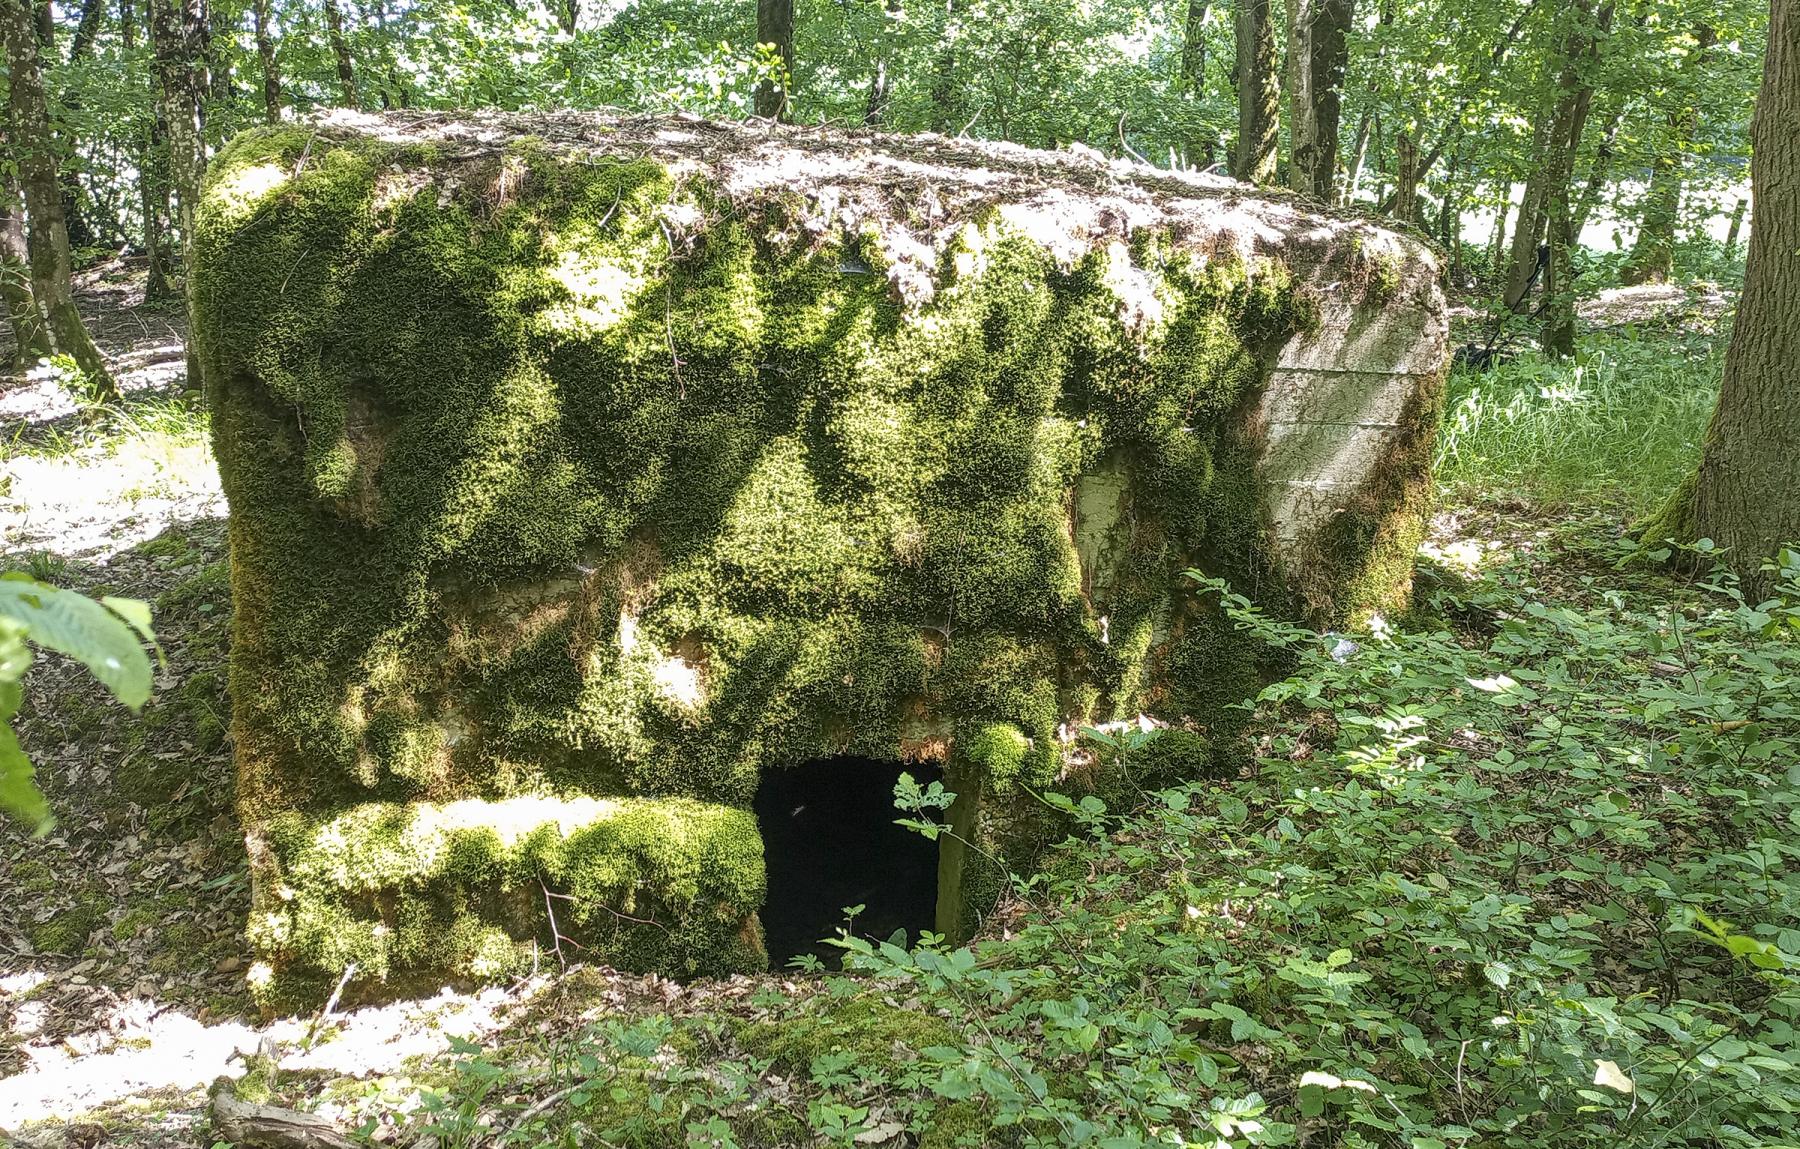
(1621, 422)
(1524, 881)
(566, 476)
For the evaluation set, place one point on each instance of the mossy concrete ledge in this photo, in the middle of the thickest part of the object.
(582, 469)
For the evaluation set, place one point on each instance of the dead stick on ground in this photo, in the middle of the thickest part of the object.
(268, 1127)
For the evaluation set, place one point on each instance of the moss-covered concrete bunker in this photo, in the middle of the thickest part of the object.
(583, 469)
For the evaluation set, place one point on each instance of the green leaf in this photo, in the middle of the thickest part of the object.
(84, 630)
(19, 795)
(134, 611)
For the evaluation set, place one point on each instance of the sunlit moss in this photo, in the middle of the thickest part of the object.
(577, 479)
(420, 887)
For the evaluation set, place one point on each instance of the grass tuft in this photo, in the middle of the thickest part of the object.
(1621, 423)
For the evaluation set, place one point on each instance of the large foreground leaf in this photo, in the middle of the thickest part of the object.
(103, 638)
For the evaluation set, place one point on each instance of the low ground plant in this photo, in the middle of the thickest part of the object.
(1620, 423)
(1518, 877)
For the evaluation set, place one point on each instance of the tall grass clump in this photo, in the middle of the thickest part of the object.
(1620, 422)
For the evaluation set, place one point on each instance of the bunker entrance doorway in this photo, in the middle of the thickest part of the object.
(829, 841)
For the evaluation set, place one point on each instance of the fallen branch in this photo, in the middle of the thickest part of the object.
(244, 1123)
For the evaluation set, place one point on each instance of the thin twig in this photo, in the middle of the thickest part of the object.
(556, 938)
(540, 1107)
(330, 1003)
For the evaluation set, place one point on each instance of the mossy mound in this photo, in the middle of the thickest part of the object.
(578, 459)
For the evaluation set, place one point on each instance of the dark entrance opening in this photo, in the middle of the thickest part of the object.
(829, 841)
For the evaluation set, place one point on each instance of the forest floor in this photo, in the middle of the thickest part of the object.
(122, 959)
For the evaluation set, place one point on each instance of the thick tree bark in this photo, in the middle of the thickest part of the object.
(775, 27)
(1258, 94)
(46, 238)
(1746, 494)
(31, 338)
(1577, 96)
(340, 49)
(1318, 52)
(1653, 252)
(265, 51)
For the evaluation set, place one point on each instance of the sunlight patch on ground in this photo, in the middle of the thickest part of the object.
(1452, 546)
(96, 501)
(138, 1048)
(43, 397)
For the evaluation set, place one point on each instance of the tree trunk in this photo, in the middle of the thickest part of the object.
(31, 338)
(1554, 144)
(876, 105)
(265, 50)
(1258, 94)
(176, 28)
(1597, 175)
(213, 36)
(1318, 52)
(152, 182)
(1200, 144)
(775, 28)
(1577, 95)
(1406, 177)
(340, 48)
(944, 107)
(81, 45)
(1497, 246)
(1528, 229)
(1653, 253)
(1737, 225)
(567, 13)
(46, 240)
(1558, 336)
(178, 34)
(1746, 495)
(86, 28)
(1359, 154)
(1450, 220)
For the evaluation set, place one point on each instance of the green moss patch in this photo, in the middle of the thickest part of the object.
(588, 473)
(421, 888)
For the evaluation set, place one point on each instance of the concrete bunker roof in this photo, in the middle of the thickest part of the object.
(916, 192)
